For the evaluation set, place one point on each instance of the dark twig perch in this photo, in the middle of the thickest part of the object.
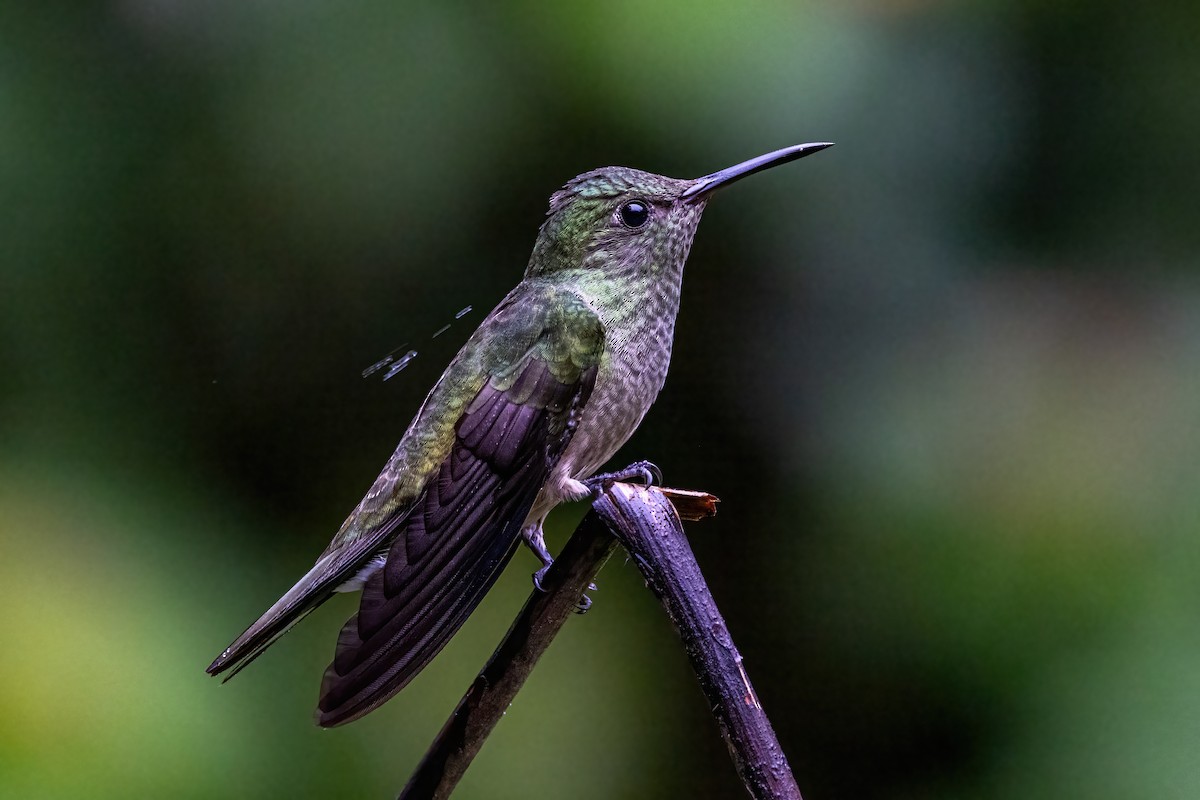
(495, 687)
(647, 522)
(647, 526)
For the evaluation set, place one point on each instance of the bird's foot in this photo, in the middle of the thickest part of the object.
(643, 472)
(540, 576)
(536, 542)
(585, 602)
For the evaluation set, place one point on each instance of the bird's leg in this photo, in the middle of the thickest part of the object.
(536, 541)
(641, 471)
(571, 490)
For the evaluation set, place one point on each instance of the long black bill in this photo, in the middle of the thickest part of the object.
(709, 183)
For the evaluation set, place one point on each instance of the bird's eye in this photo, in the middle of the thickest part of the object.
(634, 213)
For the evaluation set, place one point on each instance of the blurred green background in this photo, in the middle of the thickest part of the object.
(945, 378)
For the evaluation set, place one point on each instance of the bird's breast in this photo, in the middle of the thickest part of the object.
(632, 372)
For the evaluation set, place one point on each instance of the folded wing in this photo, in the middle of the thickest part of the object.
(461, 532)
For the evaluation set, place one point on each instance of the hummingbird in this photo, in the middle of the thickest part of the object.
(547, 389)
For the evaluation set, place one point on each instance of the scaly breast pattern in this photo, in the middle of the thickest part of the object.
(632, 372)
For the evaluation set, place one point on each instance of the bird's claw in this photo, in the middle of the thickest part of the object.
(585, 602)
(539, 576)
(644, 472)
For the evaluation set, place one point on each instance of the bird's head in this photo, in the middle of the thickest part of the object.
(624, 222)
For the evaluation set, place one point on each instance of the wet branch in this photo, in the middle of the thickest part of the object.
(648, 529)
(495, 687)
(647, 523)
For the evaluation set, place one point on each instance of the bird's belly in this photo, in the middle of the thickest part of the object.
(613, 413)
(627, 385)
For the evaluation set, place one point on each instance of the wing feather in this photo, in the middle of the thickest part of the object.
(465, 527)
(318, 585)
(448, 506)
